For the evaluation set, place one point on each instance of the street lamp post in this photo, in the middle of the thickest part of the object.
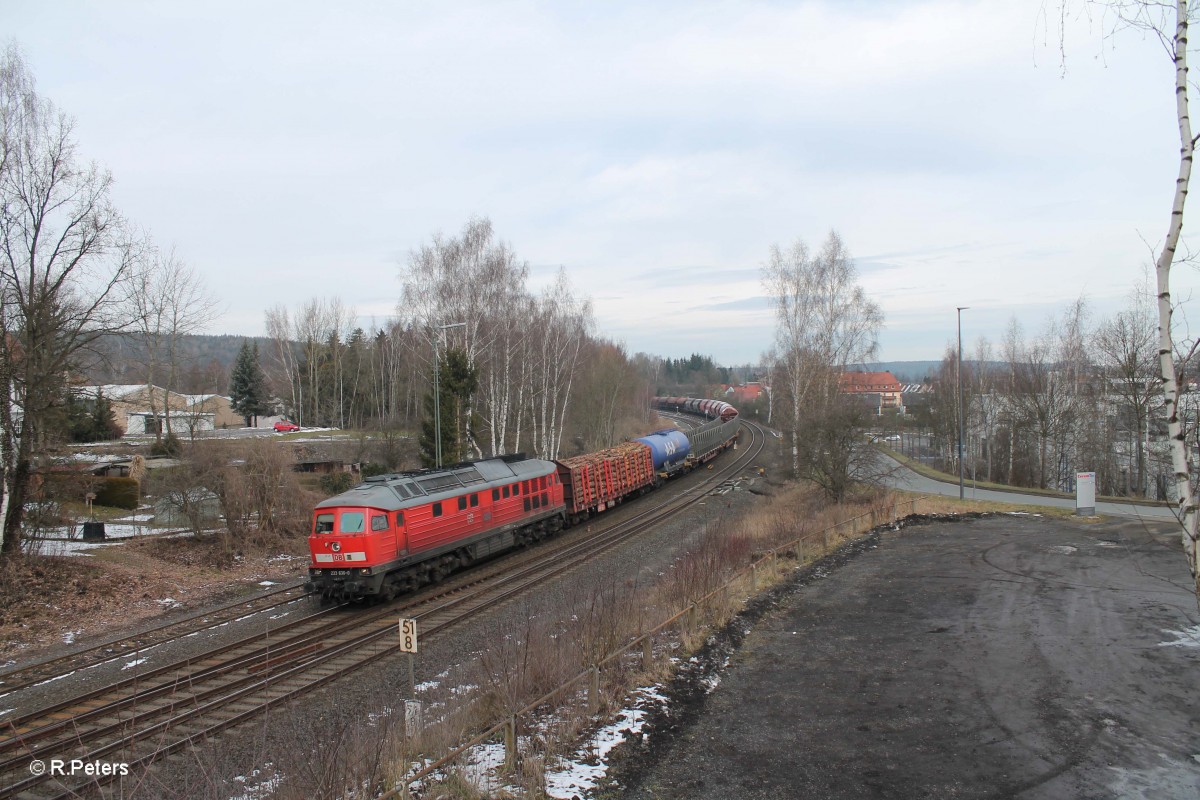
(961, 493)
(437, 392)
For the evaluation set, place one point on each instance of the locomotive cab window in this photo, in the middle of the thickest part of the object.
(462, 503)
(474, 500)
(352, 522)
(379, 522)
(437, 509)
(495, 495)
(324, 524)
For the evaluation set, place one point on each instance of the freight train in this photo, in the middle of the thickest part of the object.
(713, 409)
(394, 533)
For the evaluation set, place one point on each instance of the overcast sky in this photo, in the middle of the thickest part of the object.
(653, 150)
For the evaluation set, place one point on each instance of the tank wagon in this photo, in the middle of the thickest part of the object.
(394, 533)
(669, 448)
(713, 409)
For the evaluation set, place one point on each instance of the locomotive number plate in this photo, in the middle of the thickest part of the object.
(339, 572)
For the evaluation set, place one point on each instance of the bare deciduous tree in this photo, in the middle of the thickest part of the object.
(824, 323)
(169, 301)
(1127, 343)
(64, 255)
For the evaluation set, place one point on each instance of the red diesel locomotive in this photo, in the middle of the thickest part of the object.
(394, 533)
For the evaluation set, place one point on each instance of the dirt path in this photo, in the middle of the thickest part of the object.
(1010, 656)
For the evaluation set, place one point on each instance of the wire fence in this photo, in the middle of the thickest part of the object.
(583, 691)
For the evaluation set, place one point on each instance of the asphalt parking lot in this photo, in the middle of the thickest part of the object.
(1008, 656)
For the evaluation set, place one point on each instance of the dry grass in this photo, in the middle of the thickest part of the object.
(707, 586)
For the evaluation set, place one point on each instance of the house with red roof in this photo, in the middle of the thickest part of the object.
(746, 393)
(883, 384)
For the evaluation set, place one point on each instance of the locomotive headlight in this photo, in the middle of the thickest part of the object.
(365, 571)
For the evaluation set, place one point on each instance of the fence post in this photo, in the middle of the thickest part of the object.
(594, 691)
(647, 650)
(510, 743)
(754, 577)
(800, 551)
(826, 532)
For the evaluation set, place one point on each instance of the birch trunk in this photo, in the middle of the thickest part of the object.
(1185, 500)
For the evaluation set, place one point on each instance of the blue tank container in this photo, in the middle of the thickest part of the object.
(668, 447)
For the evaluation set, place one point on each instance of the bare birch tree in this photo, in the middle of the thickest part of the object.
(1169, 23)
(824, 323)
(282, 364)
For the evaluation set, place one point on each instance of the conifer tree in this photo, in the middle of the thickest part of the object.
(248, 385)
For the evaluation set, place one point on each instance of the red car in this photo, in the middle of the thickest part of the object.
(283, 426)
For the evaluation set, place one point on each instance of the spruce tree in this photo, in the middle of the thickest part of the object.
(247, 384)
(458, 381)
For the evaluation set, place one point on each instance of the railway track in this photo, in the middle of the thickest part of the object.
(115, 649)
(141, 720)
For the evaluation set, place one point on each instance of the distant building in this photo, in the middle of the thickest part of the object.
(746, 393)
(881, 385)
(188, 413)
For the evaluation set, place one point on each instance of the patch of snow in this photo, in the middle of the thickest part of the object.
(169, 602)
(259, 790)
(134, 663)
(483, 765)
(266, 583)
(62, 547)
(1063, 549)
(427, 686)
(1189, 637)
(1108, 544)
(69, 636)
(55, 678)
(143, 517)
(1174, 780)
(580, 775)
(7, 711)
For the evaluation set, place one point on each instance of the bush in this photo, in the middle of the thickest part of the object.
(169, 446)
(370, 469)
(336, 482)
(118, 493)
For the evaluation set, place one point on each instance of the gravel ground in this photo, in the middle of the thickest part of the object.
(1009, 656)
